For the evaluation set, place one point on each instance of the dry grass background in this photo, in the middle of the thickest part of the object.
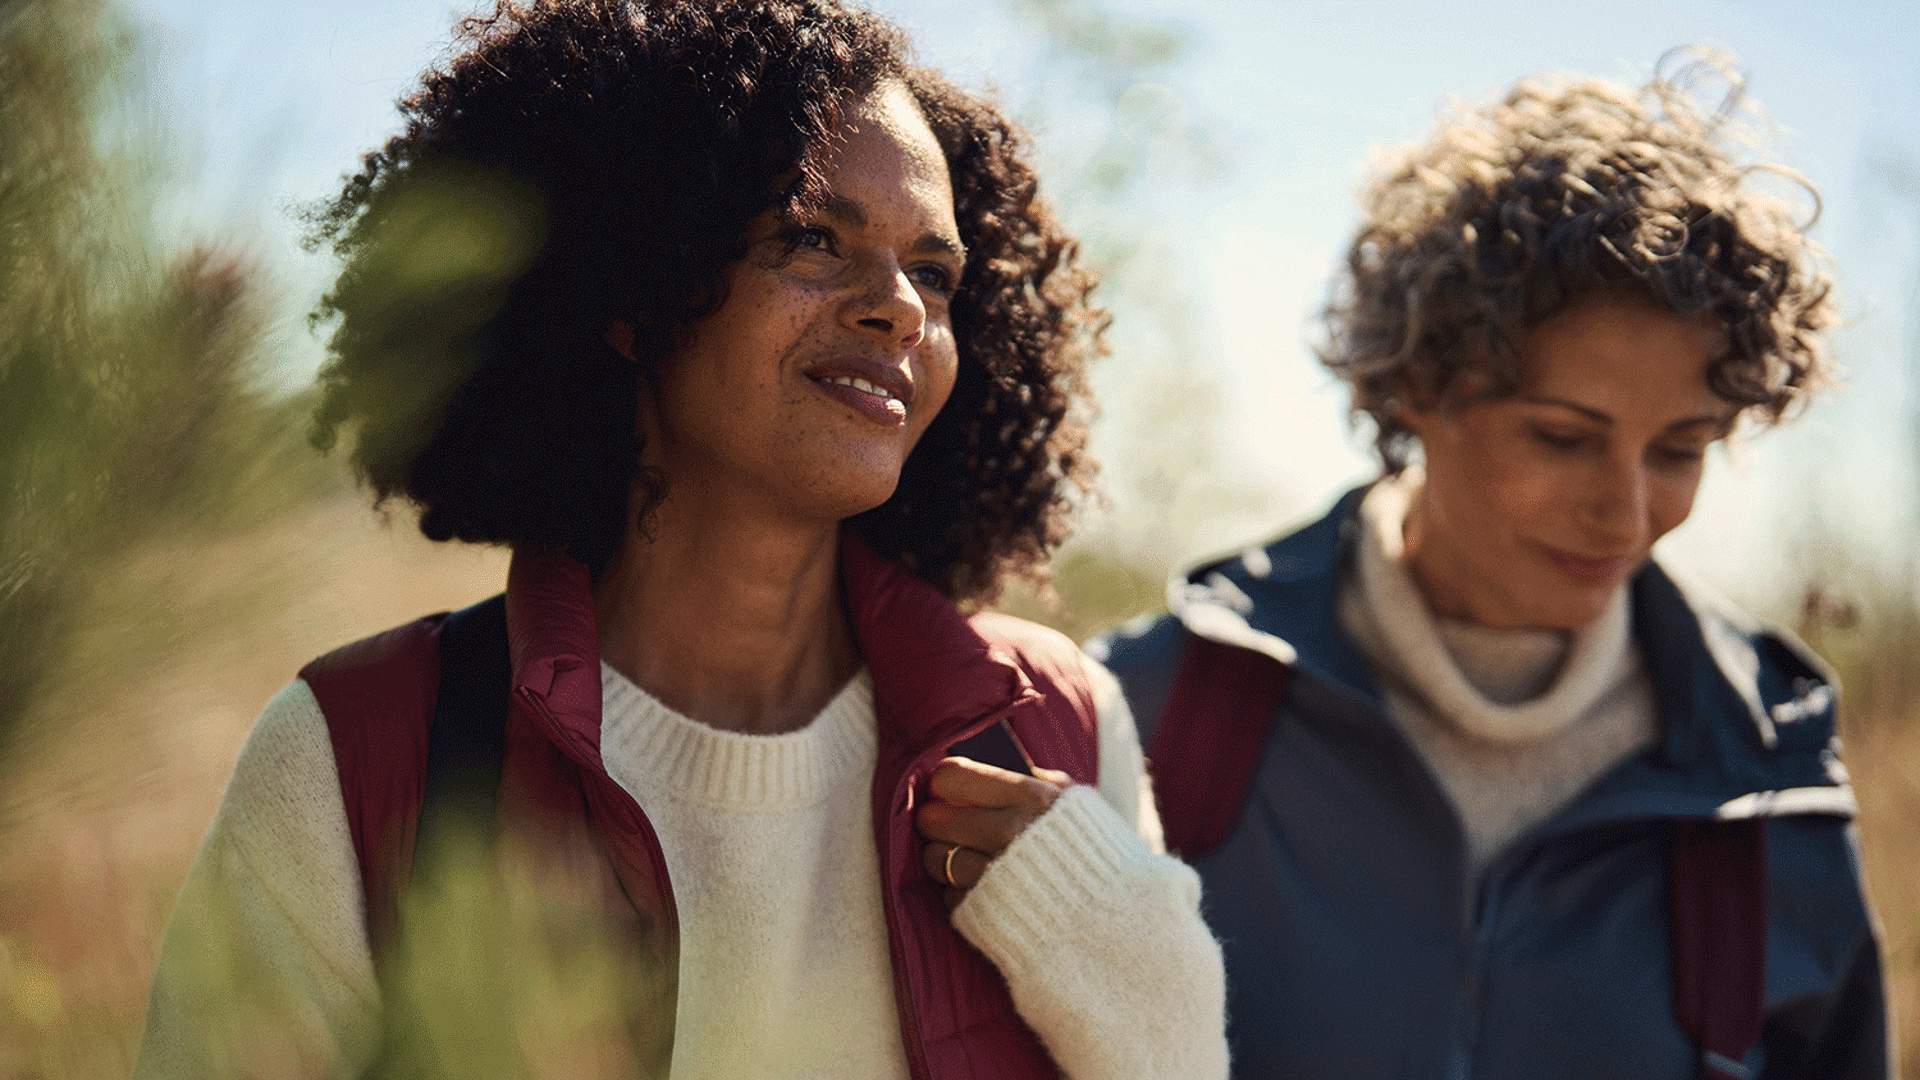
(101, 817)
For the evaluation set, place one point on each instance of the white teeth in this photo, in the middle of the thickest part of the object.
(859, 384)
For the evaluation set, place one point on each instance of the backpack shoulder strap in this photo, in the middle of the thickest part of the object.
(1719, 930)
(1207, 745)
(382, 697)
(467, 741)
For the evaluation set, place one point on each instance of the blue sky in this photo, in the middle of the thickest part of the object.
(1226, 429)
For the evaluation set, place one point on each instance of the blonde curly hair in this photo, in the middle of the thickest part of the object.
(1509, 213)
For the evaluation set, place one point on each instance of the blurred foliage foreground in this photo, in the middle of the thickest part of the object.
(129, 434)
(173, 552)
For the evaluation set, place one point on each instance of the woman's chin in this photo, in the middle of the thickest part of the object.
(854, 493)
(1565, 605)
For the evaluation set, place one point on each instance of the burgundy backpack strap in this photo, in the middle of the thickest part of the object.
(1207, 746)
(1720, 939)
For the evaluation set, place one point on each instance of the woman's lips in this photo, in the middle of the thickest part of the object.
(868, 398)
(1608, 569)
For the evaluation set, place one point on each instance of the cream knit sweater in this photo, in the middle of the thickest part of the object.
(1512, 723)
(784, 967)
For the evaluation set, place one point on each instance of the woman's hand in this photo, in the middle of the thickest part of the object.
(974, 811)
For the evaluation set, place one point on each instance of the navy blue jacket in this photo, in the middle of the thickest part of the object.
(1355, 945)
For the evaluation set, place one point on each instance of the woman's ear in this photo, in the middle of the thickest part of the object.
(620, 337)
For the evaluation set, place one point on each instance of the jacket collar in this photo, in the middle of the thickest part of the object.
(1283, 600)
(1744, 708)
(1746, 713)
(932, 672)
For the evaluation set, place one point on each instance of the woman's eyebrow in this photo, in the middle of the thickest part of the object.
(845, 209)
(942, 244)
(852, 213)
(1712, 419)
(1720, 423)
(1585, 410)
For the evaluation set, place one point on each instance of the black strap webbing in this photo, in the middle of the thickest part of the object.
(468, 738)
(465, 747)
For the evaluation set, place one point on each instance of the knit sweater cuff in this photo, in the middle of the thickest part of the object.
(1102, 947)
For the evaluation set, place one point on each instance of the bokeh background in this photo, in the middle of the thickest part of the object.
(172, 552)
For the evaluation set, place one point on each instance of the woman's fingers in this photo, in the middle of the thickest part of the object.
(974, 812)
(952, 865)
(985, 830)
(982, 807)
(967, 782)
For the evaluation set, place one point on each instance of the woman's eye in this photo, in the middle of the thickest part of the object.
(937, 278)
(1559, 440)
(1680, 455)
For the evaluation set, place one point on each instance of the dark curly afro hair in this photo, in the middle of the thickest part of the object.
(581, 163)
(1510, 213)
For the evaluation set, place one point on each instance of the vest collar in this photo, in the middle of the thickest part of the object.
(932, 671)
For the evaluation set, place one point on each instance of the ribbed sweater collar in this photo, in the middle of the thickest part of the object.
(689, 761)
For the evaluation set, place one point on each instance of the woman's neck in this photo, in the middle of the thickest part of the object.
(734, 621)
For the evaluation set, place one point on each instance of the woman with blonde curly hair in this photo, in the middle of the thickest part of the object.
(757, 345)
(1476, 787)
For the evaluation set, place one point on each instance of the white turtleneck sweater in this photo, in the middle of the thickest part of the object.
(785, 970)
(1512, 723)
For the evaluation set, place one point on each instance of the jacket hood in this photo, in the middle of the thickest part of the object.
(1746, 712)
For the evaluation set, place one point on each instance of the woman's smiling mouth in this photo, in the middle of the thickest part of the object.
(1586, 569)
(880, 395)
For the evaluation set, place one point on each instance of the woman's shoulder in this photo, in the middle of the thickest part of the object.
(392, 653)
(1030, 642)
(1048, 657)
(1691, 636)
(1747, 648)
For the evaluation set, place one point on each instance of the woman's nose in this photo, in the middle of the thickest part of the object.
(1616, 502)
(890, 306)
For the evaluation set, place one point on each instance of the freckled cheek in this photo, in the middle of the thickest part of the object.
(938, 365)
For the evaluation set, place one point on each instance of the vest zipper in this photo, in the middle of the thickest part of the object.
(899, 804)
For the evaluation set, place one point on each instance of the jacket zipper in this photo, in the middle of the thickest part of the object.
(917, 1065)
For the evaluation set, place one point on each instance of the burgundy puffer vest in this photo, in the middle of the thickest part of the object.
(939, 677)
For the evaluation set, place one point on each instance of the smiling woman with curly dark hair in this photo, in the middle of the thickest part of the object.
(607, 186)
(757, 345)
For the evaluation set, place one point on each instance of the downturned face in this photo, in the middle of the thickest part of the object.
(834, 350)
(1538, 506)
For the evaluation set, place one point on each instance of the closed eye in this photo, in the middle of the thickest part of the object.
(1680, 455)
(1563, 441)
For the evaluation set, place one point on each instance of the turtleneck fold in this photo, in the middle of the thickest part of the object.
(1512, 723)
